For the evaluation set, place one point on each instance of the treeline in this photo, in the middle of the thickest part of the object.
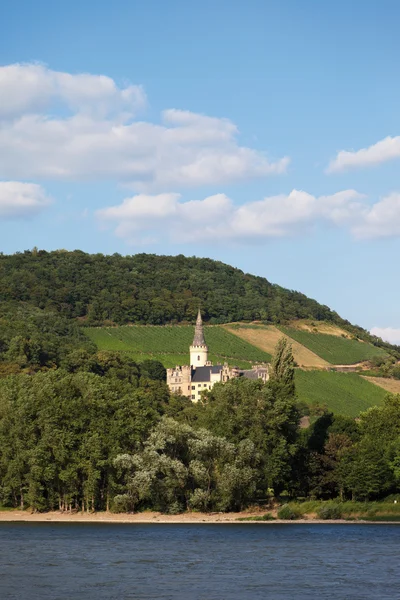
(96, 289)
(147, 289)
(32, 339)
(96, 437)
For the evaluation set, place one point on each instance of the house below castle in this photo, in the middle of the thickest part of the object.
(202, 375)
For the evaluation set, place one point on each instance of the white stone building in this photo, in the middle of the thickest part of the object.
(191, 380)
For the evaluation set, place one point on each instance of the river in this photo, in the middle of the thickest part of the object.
(58, 561)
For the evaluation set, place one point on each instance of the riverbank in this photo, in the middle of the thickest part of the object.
(155, 517)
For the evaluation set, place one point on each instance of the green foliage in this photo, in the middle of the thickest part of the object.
(181, 468)
(288, 513)
(153, 369)
(170, 344)
(147, 289)
(384, 510)
(59, 434)
(282, 367)
(265, 517)
(331, 510)
(340, 458)
(264, 413)
(370, 467)
(335, 350)
(32, 339)
(343, 393)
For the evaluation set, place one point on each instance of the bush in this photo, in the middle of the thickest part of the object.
(175, 508)
(266, 517)
(287, 513)
(330, 511)
(122, 504)
(396, 372)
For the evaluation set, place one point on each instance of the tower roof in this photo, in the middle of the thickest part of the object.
(198, 339)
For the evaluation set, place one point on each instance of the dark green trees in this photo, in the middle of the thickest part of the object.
(146, 289)
(182, 468)
(60, 432)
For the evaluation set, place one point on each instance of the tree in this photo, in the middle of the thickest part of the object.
(364, 471)
(179, 467)
(282, 368)
(266, 414)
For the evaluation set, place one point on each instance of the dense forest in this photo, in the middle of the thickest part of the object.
(146, 288)
(95, 289)
(107, 434)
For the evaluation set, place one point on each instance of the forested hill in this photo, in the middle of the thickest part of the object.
(149, 289)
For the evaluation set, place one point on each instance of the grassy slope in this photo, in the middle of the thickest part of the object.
(390, 385)
(343, 393)
(170, 344)
(336, 350)
(266, 337)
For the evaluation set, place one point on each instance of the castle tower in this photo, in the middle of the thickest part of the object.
(198, 350)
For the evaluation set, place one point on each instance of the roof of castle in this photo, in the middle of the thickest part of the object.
(198, 339)
(203, 374)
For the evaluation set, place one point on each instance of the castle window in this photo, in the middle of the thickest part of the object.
(199, 385)
(205, 385)
(193, 387)
(193, 397)
(198, 358)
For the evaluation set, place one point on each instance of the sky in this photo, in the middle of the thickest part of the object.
(265, 134)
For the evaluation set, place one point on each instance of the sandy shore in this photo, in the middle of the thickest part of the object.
(104, 517)
(151, 517)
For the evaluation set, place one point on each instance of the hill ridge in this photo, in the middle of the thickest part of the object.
(98, 289)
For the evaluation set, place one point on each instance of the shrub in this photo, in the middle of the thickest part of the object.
(288, 513)
(175, 508)
(122, 504)
(266, 517)
(330, 511)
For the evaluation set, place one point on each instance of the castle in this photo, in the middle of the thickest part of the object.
(191, 380)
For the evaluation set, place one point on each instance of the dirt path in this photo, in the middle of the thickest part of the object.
(266, 339)
(390, 385)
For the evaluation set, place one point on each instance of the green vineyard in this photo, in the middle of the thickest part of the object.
(334, 349)
(170, 344)
(342, 393)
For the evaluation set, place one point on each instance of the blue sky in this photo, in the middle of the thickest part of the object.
(263, 134)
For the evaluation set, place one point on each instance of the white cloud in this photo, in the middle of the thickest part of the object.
(380, 220)
(29, 88)
(99, 139)
(167, 216)
(21, 200)
(382, 151)
(389, 334)
(217, 218)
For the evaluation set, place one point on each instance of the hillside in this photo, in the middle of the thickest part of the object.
(170, 344)
(155, 290)
(342, 393)
(266, 337)
(243, 345)
(332, 348)
(144, 307)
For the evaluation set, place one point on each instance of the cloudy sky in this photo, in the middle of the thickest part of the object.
(262, 133)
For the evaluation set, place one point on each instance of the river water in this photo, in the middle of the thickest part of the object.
(58, 561)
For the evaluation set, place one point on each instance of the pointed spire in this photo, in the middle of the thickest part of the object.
(198, 339)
